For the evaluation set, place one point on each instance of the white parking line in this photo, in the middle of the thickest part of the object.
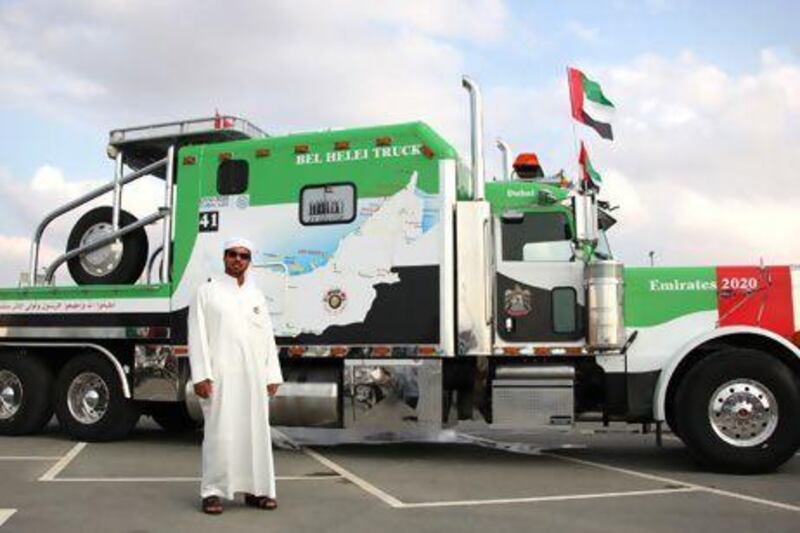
(173, 479)
(29, 458)
(63, 462)
(359, 482)
(5, 514)
(712, 490)
(559, 498)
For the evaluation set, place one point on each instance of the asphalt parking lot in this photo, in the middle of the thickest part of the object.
(587, 480)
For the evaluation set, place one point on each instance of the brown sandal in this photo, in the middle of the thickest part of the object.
(261, 502)
(212, 505)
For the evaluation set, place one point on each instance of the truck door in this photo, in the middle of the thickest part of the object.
(539, 293)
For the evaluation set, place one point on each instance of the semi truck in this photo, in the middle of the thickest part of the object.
(407, 293)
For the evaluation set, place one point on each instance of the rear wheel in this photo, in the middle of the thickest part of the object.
(737, 411)
(26, 385)
(90, 403)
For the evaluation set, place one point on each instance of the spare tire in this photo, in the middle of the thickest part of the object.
(117, 263)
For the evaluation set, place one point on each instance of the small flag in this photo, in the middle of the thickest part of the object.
(589, 176)
(589, 104)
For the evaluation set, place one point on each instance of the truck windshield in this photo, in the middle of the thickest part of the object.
(537, 237)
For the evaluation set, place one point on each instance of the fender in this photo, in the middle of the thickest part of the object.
(664, 379)
(126, 390)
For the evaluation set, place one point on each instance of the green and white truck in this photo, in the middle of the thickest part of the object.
(406, 293)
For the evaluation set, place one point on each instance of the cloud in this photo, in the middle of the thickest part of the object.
(581, 31)
(290, 63)
(704, 163)
(28, 201)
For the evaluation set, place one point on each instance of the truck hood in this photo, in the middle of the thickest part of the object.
(766, 297)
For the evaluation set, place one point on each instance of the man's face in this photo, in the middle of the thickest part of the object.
(237, 260)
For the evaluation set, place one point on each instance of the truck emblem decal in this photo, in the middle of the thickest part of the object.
(243, 201)
(335, 300)
(517, 301)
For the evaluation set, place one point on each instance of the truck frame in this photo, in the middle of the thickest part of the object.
(407, 295)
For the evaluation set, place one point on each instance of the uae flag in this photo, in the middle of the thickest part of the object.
(589, 105)
(590, 178)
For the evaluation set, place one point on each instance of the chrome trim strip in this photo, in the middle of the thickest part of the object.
(126, 390)
(60, 332)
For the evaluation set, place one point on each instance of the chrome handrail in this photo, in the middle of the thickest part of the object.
(37, 236)
(99, 243)
(166, 239)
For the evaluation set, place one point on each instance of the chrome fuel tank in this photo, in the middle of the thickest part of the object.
(604, 297)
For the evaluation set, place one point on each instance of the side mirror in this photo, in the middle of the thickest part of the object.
(585, 208)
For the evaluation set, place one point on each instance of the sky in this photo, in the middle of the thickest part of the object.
(704, 164)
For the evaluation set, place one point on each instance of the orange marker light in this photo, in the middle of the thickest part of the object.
(341, 145)
(296, 351)
(381, 351)
(427, 350)
(541, 351)
(426, 151)
(511, 350)
(189, 160)
(224, 156)
(263, 152)
(301, 149)
(339, 351)
(383, 141)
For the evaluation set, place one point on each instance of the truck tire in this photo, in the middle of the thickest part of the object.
(173, 417)
(26, 388)
(89, 401)
(107, 265)
(737, 411)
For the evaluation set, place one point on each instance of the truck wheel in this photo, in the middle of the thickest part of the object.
(737, 411)
(26, 388)
(89, 401)
(173, 417)
(117, 263)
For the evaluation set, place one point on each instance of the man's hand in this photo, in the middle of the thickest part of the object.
(204, 389)
(272, 389)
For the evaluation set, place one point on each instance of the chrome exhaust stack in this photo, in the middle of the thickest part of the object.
(476, 119)
(505, 150)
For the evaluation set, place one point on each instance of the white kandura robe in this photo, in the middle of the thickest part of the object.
(231, 343)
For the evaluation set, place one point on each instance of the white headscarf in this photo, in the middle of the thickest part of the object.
(239, 242)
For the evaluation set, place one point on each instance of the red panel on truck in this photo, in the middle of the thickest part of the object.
(755, 296)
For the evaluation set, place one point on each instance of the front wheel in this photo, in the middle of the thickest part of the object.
(737, 411)
(89, 401)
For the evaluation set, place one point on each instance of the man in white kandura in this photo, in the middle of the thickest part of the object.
(235, 367)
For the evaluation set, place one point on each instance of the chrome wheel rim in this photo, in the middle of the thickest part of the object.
(743, 413)
(87, 398)
(105, 259)
(10, 394)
